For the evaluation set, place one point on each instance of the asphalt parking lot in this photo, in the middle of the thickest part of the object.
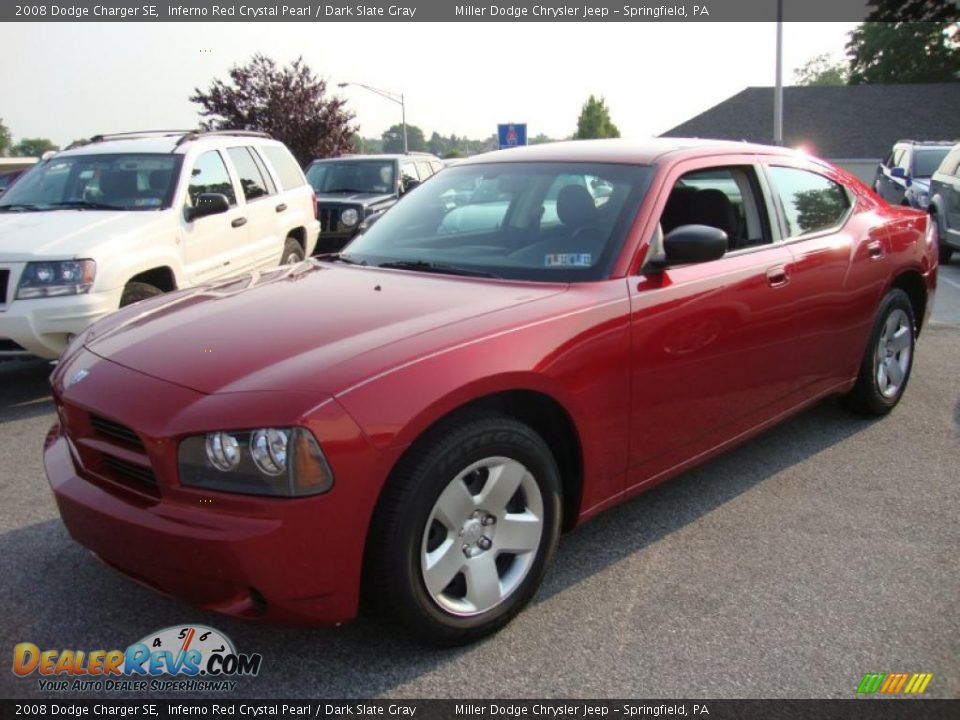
(790, 567)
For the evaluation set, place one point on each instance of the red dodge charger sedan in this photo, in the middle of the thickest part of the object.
(527, 339)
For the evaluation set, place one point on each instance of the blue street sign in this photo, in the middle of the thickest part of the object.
(512, 134)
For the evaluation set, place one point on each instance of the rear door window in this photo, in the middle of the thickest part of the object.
(810, 202)
(251, 179)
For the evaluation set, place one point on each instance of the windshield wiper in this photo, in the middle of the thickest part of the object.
(21, 207)
(85, 205)
(342, 257)
(441, 268)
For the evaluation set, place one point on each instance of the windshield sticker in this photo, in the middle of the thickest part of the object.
(568, 260)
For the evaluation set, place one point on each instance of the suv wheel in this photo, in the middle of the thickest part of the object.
(137, 291)
(292, 251)
(465, 529)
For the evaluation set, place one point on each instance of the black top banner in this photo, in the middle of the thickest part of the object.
(443, 11)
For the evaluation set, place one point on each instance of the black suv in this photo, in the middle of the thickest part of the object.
(904, 177)
(945, 203)
(354, 188)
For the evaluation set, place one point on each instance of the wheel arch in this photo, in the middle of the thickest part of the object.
(912, 283)
(161, 277)
(300, 235)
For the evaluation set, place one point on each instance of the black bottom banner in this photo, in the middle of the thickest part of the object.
(854, 709)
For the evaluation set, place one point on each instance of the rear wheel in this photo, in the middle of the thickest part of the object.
(137, 291)
(465, 530)
(946, 252)
(888, 359)
(292, 252)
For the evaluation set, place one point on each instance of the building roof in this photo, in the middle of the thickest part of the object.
(841, 122)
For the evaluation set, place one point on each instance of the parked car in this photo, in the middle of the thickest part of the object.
(8, 178)
(355, 188)
(125, 217)
(904, 177)
(945, 203)
(478, 392)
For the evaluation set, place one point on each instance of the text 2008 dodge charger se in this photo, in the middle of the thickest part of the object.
(573, 325)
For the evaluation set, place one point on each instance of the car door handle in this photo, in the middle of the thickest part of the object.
(239, 222)
(875, 249)
(281, 207)
(778, 276)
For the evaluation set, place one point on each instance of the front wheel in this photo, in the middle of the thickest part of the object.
(137, 291)
(465, 530)
(888, 359)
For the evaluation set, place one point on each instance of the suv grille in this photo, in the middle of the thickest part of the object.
(4, 279)
(329, 219)
(115, 430)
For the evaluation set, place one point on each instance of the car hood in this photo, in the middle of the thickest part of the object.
(312, 327)
(65, 234)
(354, 198)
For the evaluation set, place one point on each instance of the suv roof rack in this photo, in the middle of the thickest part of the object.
(196, 134)
(101, 137)
(925, 142)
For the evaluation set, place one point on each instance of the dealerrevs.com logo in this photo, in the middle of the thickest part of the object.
(179, 658)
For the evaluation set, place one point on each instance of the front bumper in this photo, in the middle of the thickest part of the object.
(42, 326)
(274, 559)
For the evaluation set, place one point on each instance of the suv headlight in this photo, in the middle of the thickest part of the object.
(56, 278)
(286, 462)
(350, 217)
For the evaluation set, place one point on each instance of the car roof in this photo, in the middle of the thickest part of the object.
(379, 156)
(640, 152)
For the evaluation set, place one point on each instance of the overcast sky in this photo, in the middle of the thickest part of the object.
(65, 81)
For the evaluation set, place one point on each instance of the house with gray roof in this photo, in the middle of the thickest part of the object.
(853, 126)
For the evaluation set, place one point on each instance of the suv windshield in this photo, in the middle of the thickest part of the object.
(562, 222)
(927, 160)
(98, 182)
(355, 176)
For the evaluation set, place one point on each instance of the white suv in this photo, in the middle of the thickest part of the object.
(125, 217)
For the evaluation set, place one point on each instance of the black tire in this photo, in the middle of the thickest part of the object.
(868, 397)
(137, 291)
(394, 580)
(946, 252)
(292, 252)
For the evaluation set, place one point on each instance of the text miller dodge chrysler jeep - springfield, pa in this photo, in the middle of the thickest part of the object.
(484, 375)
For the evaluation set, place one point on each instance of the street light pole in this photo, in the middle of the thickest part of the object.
(778, 90)
(392, 97)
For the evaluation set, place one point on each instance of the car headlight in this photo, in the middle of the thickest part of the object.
(56, 278)
(349, 217)
(286, 462)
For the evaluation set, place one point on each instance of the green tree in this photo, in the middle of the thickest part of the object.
(437, 145)
(290, 103)
(594, 121)
(5, 138)
(822, 69)
(906, 41)
(393, 139)
(32, 147)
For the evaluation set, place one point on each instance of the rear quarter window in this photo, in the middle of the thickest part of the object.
(284, 165)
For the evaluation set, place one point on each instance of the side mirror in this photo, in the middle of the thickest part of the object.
(408, 185)
(898, 172)
(694, 244)
(208, 204)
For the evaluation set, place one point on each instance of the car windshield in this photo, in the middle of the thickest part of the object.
(927, 160)
(98, 182)
(352, 176)
(562, 222)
